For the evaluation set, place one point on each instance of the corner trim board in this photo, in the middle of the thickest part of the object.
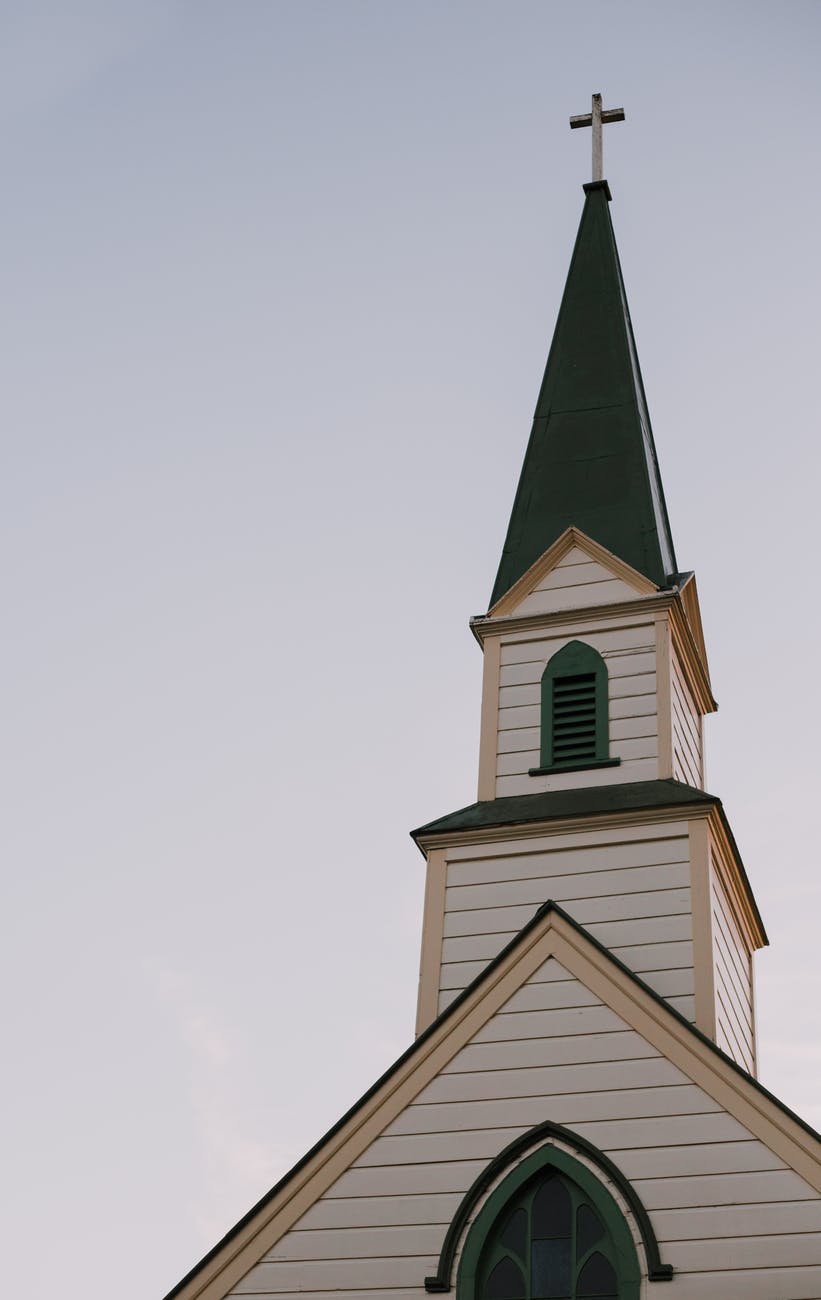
(489, 726)
(433, 930)
(664, 696)
(701, 910)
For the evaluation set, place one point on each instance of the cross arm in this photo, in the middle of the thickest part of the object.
(608, 115)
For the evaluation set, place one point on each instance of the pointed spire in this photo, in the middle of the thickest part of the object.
(591, 461)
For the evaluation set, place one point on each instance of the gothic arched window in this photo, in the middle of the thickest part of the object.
(574, 731)
(550, 1235)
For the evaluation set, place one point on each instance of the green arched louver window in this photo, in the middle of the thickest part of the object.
(574, 729)
(551, 1236)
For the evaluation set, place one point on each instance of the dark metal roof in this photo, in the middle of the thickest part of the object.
(591, 461)
(553, 804)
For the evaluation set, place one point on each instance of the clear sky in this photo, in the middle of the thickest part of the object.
(278, 284)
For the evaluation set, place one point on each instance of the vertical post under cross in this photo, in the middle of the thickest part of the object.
(595, 118)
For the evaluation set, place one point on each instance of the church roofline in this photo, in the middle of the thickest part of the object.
(556, 805)
(646, 800)
(549, 916)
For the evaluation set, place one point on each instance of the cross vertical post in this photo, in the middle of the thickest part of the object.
(595, 119)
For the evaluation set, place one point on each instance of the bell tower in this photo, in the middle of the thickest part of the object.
(595, 687)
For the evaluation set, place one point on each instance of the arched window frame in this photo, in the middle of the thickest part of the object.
(543, 1161)
(517, 1152)
(574, 659)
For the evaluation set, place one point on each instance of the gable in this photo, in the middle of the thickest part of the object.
(573, 573)
(554, 1031)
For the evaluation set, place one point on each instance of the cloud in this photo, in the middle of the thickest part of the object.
(235, 1162)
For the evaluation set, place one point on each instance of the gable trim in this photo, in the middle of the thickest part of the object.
(686, 1046)
(298, 1190)
(689, 599)
(555, 553)
(442, 1280)
(588, 618)
(694, 667)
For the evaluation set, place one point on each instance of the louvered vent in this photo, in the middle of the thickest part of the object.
(574, 718)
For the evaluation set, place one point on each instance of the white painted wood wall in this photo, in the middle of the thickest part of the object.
(730, 1216)
(630, 887)
(576, 581)
(628, 647)
(733, 977)
(629, 644)
(688, 751)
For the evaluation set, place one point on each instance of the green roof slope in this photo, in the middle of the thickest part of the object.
(586, 801)
(591, 461)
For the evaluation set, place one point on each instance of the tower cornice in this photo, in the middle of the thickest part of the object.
(670, 602)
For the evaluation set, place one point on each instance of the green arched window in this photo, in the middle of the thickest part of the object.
(551, 1231)
(574, 731)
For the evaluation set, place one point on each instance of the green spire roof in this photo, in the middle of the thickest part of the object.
(591, 461)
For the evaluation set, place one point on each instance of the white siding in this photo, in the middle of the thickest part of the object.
(688, 759)
(575, 581)
(730, 1217)
(629, 887)
(629, 651)
(732, 962)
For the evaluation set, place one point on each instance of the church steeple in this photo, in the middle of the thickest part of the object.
(595, 687)
(591, 462)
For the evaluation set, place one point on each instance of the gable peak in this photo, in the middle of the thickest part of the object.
(598, 570)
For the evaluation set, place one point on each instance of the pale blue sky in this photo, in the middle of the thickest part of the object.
(279, 281)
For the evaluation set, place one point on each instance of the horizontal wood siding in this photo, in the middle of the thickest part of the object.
(735, 1016)
(574, 582)
(629, 652)
(688, 759)
(730, 1217)
(629, 887)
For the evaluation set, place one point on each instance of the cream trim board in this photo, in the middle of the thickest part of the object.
(551, 935)
(561, 826)
(489, 724)
(570, 538)
(734, 1091)
(369, 1119)
(589, 617)
(664, 695)
(736, 888)
(755, 1017)
(692, 665)
(433, 929)
(692, 608)
(702, 917)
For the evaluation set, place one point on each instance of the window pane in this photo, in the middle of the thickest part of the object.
(588, 1230)
(597, 1278)
(550, 1272)
(551, 1210)
(505, 1282)
(514, 1235)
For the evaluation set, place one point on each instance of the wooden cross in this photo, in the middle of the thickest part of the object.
(595, 118)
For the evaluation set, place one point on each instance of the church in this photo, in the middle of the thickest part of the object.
(579, 1115)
